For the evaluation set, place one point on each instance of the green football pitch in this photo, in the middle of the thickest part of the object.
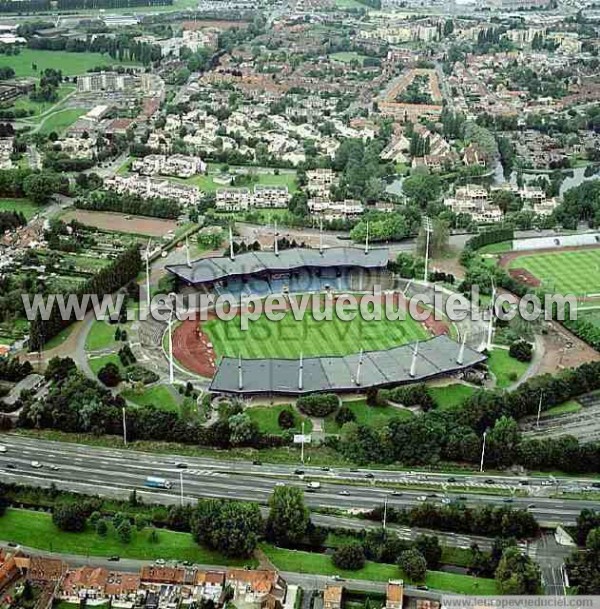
(289, 337)
(572, 272)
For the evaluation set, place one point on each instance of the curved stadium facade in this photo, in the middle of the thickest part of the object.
(309, 270)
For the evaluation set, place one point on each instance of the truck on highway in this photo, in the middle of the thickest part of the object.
(313, 486)
(153, 482)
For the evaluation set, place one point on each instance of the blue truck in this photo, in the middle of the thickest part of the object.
(153, 482)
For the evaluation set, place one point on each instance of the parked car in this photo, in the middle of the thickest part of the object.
(36, 464)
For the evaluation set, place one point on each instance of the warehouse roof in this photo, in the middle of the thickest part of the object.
(206, 270)
(436, 356)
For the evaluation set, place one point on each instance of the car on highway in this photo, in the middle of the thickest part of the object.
(422, 498)
(325, 469)
(337, 578)
(181, 465)
(11, 466)
(451, 479)
(507, 500)
(256, 462)
(114, 558)
(489, 481)
(299, 472)
(36, 464)
(54, 468)
(160, 562)
(396, 494)
(595, 484)
(431, 495)
(531, 506)
(3, 449)
(280, 484)
(344, 492)
(524, 482)
(446, 501)
(369, 475)
(422, 587)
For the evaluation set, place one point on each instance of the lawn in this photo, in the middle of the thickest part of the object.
(96, 363)
(36, 108)
(25, 206)
(61, 120)
(372, 416)
(36, 530)
(157, 395)
(266, 418)
(320, 564)
(496, 248)
(206, 182)
(566, 408)
(101, 336)
(71, 64)
(573, 272)
(289, 337)
(347, 57)
(60, 338)
(506, 369)
(450, 397)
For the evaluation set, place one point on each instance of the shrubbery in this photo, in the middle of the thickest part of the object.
(318, 404)
(521, 350)
(350, 557)
(410, 395)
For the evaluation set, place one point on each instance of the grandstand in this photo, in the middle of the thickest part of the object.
(543, 243)
(296, 270)
(435, 357)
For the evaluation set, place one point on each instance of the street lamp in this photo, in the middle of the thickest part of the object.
(482, 451)
(428, 230)
(181, 486)
(172, 297)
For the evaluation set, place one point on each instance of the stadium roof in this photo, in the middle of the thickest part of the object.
(436, 356)
(206, 270)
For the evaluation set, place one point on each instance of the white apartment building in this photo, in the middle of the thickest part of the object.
(474, 200)
(335, 210)
(242, 199)
(149, 188)
(320, 182)
(178, 165)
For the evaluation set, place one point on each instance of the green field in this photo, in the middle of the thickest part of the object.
(100, 336)
(36, 530)
(26, 207)
(157, 395)
(590, 315)
(307, 562)
(266, 418)
(573, 272)
(449, 397)
(96, 363)
(373, 416)
(506, 369)
(36, 108)
(347, 57)
(61, 120)
(206, 182)
(289, 337)
(71, 64)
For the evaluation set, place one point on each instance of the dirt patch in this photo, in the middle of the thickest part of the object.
(564, 350)
(193, 349)
(524, 276)
(122, 223)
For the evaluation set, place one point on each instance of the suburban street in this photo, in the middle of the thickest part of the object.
(116, 473)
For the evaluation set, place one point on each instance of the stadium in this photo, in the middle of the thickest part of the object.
(392, 353)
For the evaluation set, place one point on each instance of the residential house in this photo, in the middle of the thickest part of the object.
(333, 597)
(252, 586)
(474, 201)
(394, 594)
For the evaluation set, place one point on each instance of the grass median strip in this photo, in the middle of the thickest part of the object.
(36, 530)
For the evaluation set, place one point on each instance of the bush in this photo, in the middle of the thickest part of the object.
(139, 374)
(344, 415)
(521, 350)
(413, 564)
(70, 517)
(410, 395)
(286, 420)
(110, 375)
(350, 557)
(318, 404)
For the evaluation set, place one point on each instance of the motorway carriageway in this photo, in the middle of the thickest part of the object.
(93, 470)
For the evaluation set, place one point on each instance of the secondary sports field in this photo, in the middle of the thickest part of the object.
(32, 62)
(569, 272)
(289, 337)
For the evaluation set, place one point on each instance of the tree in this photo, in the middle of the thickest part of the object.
(350, 556)
(39, 187)
(517, 573)
(231, 527)
(110, 375)
(286, 420)
(102, 527)
(413, 565)
(503, 441)
(288, 517)
(243, 429)
(430, 548)
(124, 531)
(521, 350)
(505, 200)
(344, 415)
(70, 517)
(422, 189)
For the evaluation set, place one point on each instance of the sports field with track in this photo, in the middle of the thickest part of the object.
(288, 338)
(569, 272)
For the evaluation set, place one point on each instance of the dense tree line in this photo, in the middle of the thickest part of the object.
(120, 48)
(109, 279)
(456, 435)
(13, 370)
(108, 200)
(38, 186)
(580, 204)
(9, 220)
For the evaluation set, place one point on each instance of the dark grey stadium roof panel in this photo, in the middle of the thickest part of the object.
(207, 270)
(435, 357)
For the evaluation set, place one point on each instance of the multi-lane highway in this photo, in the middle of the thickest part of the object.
(116, 473)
